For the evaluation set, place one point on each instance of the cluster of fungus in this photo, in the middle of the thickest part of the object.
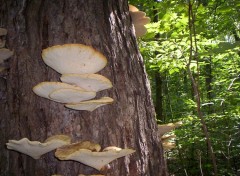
(86, 152)
(4, 52)
(139, 19)
(167, 142)
(78, 65)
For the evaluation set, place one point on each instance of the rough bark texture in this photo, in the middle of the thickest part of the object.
(129, 122)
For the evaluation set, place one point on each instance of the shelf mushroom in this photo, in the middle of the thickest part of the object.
(165, 128)
(74, 58)
(62, 92)
(5, 54)
(78, 64)
(89, 82)
(71, 95)
(167, 137)
(168, 145)
(36, 149)
(90, 105)
(139, 19)
(91, 158)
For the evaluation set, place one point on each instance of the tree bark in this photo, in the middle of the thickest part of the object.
(208, 81)
(159, 97)
(128, 123)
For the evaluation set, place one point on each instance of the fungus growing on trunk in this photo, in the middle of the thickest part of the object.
(88, 157)
(74, 58)
(139, 19)
(89, 82)
(132, 8)
(166, 138)
(90, 105)
(168, 145)
(5, 54)
(77, 63)
(36, 149)
(44, 89)
(71, 95)
(165, 128)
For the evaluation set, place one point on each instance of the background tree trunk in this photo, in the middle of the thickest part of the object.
(128, 122)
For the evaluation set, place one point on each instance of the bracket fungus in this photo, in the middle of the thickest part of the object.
(137, 15)
(77, 63)
(90, 105)
(71, 95)
(165, 128)
(5, 54)
(139, 19)
(89, 82)
(132, 8)
(168, 145)
(44, 89)
(36, 149)
(167, 137)
(74, 58)
(89, 157)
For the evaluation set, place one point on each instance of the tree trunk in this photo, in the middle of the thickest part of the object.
(128, 123)
(159, 97)
(208, 81)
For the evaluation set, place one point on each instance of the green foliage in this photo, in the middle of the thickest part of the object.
(216, 67)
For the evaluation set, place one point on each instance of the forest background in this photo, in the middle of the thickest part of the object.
(192, 56)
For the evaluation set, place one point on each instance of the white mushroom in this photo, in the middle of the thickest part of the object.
(89, 82)
(90, 105)
(165, 128)
(140, 30)
(168, 145)
(166, 137)
(142, 21)
(132, 8)
(44, 89)
(71, 95)
(96, 160)
(137, 15)
(139, 19)
(35, 148)
(74, 58)
(4, 54)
